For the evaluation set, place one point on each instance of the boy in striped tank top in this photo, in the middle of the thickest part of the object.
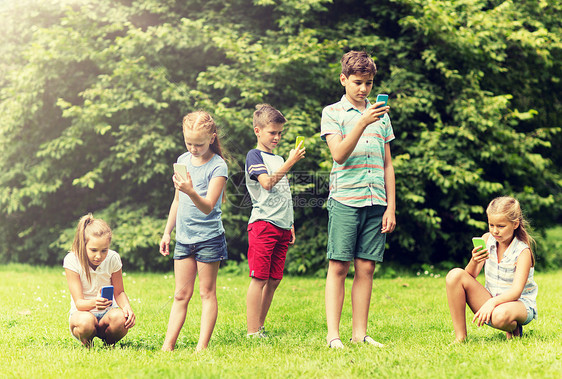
(361, 204)
(508, 300)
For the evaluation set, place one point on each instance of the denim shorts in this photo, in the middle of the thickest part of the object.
(531, 314)
(355, 232)
(212, 250)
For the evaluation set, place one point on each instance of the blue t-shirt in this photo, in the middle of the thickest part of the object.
(276, 205)
(192, 225)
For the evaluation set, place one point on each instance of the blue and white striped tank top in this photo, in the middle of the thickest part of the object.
(499, 276)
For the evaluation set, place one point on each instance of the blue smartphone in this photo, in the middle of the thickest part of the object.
(382, 97)
(107, 292)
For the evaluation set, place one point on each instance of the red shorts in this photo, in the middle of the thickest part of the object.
(267, 250)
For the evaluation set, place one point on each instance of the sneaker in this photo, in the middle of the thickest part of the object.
(259, 334)
(335, 344)
(368, 340)
(262, 332)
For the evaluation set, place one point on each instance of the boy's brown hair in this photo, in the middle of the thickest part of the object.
(357, 62)
(266, 114)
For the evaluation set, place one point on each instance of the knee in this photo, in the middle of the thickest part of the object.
(274, 283)
(501, 318)
(338, 269)
(84, 325)
(454, 276)
(183, 296)
(208, 294)
(116, 318)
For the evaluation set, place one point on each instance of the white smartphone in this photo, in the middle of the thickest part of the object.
(181, 170)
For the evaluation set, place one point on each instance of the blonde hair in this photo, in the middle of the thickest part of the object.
(265, 114)
(202, 120)
(510, 208)
(88, 227)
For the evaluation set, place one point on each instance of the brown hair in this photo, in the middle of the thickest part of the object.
(203, 120)
(354, 62)
(510, 208)
(266, 114)
(88, 227)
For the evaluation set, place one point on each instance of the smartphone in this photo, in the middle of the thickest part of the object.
(298, 141)
(479, 242)
(181, 170)
(382, 97)
(107, 292)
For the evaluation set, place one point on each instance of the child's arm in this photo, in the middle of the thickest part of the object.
(167, 236)
(75, 288)
(341, 148)
(389, 217)
(122, 299)
(269, 181)
(522, 268)
(204, 204)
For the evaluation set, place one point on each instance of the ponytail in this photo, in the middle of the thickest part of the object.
(88, 227)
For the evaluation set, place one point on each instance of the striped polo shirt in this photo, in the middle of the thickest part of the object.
(359, 181)
(499, 276)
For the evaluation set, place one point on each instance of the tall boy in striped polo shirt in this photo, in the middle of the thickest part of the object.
(361, 204)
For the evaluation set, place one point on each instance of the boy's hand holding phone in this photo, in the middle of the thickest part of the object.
(299, 151)
(376, 111)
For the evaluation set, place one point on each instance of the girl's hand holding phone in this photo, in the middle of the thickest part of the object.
(101, 302)
(186, 186)
(480, 255)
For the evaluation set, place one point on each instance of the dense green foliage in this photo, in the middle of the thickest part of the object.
(92, 94)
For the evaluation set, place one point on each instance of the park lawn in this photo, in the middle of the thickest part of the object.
(408, 314)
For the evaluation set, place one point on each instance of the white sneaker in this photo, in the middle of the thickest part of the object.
(370, 341)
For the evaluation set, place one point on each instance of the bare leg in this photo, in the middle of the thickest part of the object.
(254, 304)
(463, 289)
(506, 316)
(361, 296)
(267, 296)
(84, 326)
(112, 326)
(185, 271)
(335, 294)
(209, 307)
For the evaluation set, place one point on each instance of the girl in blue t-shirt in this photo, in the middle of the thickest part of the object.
(508, 300)
(196, 214)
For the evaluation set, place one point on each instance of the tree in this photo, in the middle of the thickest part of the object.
(92, 94)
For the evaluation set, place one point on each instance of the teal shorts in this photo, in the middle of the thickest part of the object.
(355, 232)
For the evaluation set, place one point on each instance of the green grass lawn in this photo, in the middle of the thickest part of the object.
(408, 314)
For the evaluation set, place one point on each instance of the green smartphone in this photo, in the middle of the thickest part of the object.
(298, 141)
(479, 242)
